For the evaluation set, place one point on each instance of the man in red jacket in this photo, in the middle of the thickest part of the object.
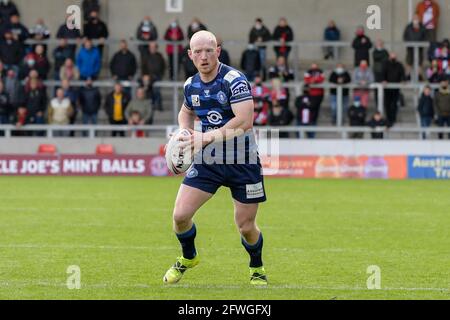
(174, 33)
(312, 77)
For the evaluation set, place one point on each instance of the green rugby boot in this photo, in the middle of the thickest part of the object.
(175, 273)
(258, 276)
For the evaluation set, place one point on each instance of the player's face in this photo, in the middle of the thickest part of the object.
(205, 56)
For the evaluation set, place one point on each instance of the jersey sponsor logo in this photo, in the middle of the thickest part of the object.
(254, 190)
(230, 76)
(222, 97)
(240, 89)
(195, 100)
(214, 117)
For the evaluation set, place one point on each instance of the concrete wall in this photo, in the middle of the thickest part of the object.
(232, 19)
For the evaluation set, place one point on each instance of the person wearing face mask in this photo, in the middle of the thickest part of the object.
(357, 117)
(315, 76)
(174, 33)
(259, 34)
(7, 9)
(361, 44)
(146, 31)
(339, 76)
(428, 12)
(283, 33)
(261, 99)
(88, 6)
(394, 72)
(414, 32)
(194, 26)
(442, 106)
(96, 29)
(250, 62)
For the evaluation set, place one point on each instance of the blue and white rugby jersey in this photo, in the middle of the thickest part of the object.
(212, 102)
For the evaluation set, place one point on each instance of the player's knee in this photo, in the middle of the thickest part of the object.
(246, 227)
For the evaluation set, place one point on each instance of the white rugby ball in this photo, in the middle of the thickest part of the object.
(178, 160)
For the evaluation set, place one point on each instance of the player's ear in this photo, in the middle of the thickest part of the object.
(190, 54)
(219, 49)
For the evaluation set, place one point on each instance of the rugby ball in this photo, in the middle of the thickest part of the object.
(178, 160)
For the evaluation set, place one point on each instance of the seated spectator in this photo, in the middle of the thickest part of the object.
(357, 117)
(60, 54)
(195, 26)
(283, 33)
(363, 77)
(135, 119)
(12, 87)
(116, 104)
(141, 105)
(19, 31)
(250, 62)
(426, 109)
(259, 34)
(378, 125)
(70, 34)
(90, 101)
(280, 116)
(39, 32)
(305, 111)
(6, 109)
(414, 32)
(331, 33)
(174, 33)
(20, 119)
(315, 76)
(261, 99)
(11, 52)
(224, 56)
(151, 92)
(279, 93)
(7, 9)
(339, 76)
(69, 71)
(59, 111)
(96, 29)
(281, 70)
(361, 44)
(88, 61)
(442, 55)
(33, 76)
(380, 56)
(434, 72)
(442, 106)
(123, 64)
(88, 6)
(146, 31)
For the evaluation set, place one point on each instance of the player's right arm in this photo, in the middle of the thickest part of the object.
(186, 118)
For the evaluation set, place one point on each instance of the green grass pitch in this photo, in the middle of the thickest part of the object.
(320, 237)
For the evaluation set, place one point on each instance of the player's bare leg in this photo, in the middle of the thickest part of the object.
(252, 240)
(188, 201)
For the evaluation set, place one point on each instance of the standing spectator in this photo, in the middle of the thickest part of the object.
(60, 54)
(394, 72)
(90, 101)
(261, 99)
(279, 94)
(13, 88)
(378, 125)
(42, 63)
(195, 26)
(283, 33)
(146, 31)
(434, 72)
(39, 32)
(339, 76)
(331, 33)
(142, 106)
(123, 64)
(151, 92)
(224, 57)
(315, 76)
(19, 31)
(88, 6)
(357, 117)
(428, 12)
(88, 61)
(7, 9)
(59, 111)
(11, 52)
(279, 116)
(115, 106)
(426, 109)
(96, 29)
(188, 64)
(6, 109)
(442, 55)
(69, 71)
(152, 62)
(70, 34)
(442, 106)
(72, 94)
(305, 110)
(259, 34)
(250, 62)
(414, 32)
(174, 33)
(363, 78)
(380, 56)
(281, 70)
(35, 102)
(361, 45)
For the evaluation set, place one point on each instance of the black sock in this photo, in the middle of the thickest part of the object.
(187, 243)
(255, 251)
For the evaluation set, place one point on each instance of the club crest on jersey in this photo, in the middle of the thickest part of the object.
(214, 117)
(222, 97)
(206, 93)
(195, 100)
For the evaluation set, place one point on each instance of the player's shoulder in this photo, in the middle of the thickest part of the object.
(230, 74)
(192, 81)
